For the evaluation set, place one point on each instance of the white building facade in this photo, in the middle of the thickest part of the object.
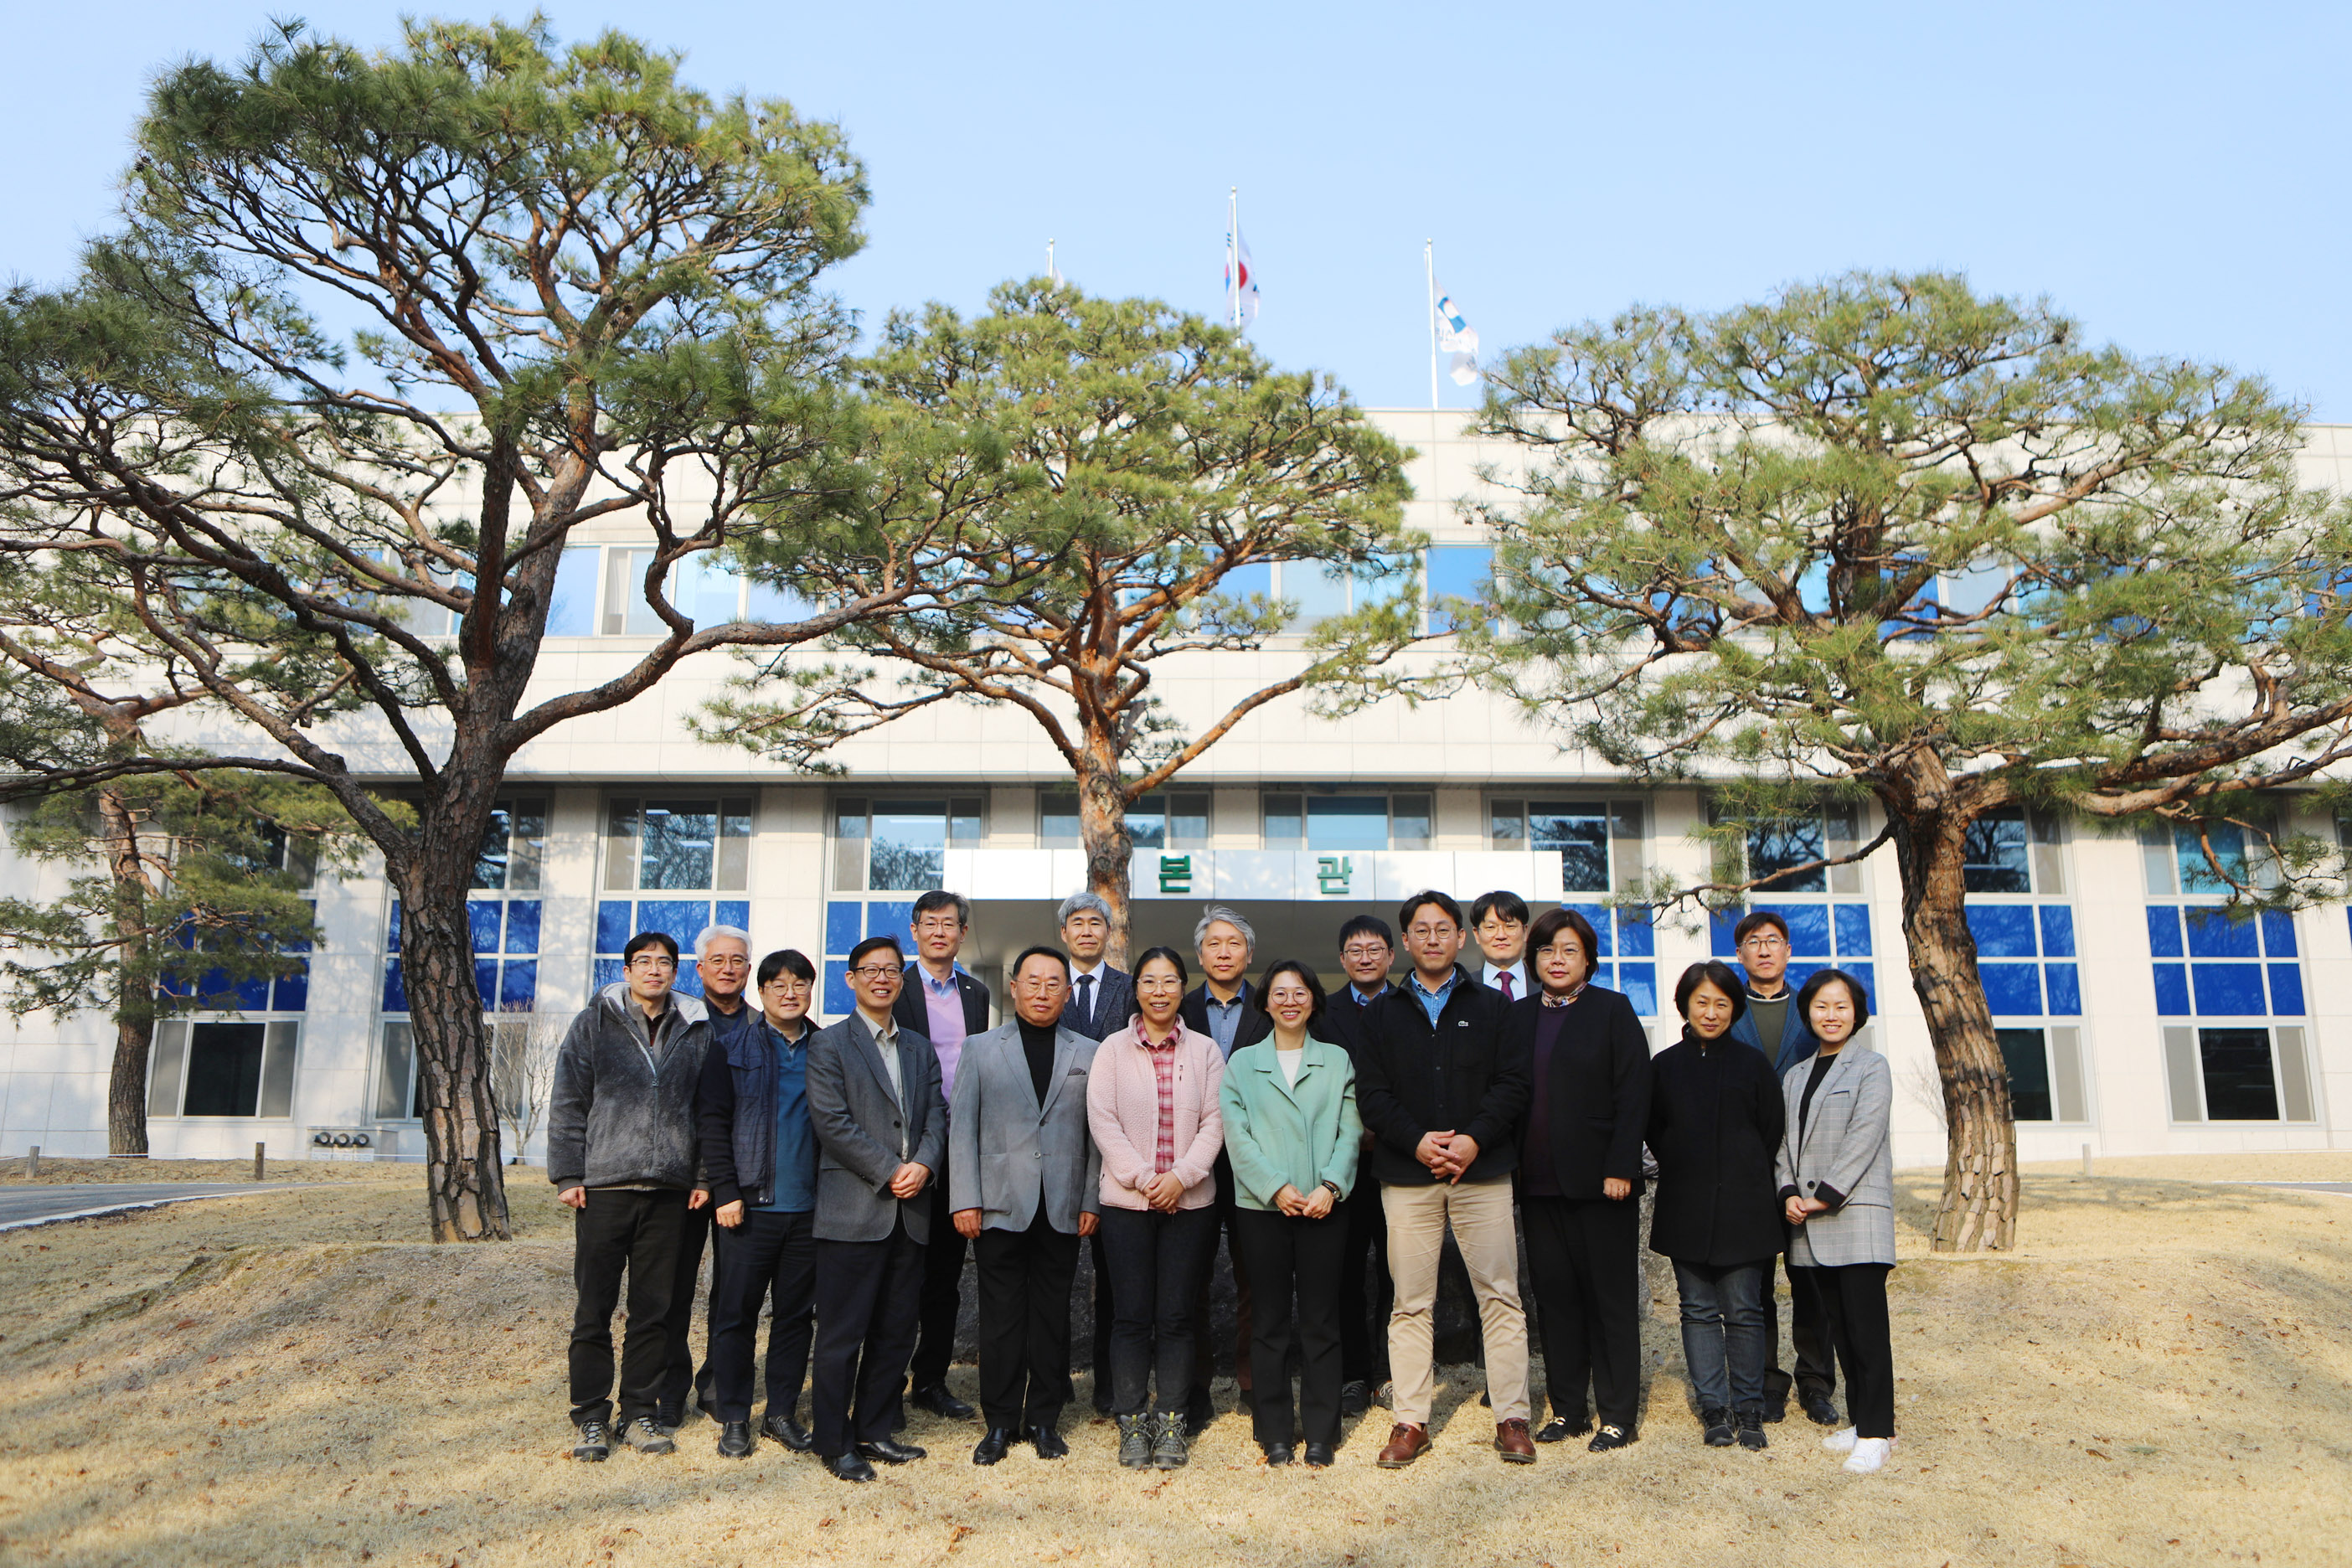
(2132, 1021)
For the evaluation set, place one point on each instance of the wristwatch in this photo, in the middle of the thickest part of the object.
(1333, 1188)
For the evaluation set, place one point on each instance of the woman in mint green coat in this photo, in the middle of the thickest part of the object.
(1292, 1133)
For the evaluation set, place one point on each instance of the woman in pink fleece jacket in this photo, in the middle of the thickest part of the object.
(1152, 1104)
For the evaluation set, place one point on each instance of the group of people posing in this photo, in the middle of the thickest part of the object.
(1331, 1140)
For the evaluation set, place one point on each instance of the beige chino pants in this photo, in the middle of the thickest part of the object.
(1485, 1230)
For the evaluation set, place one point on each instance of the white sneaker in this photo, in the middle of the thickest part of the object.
(1869, 1456)
(1840, 1441)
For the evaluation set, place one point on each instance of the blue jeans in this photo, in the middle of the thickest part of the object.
(1724, 1338)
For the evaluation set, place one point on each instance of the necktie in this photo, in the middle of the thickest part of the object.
(1503, 980)
(1087, 998)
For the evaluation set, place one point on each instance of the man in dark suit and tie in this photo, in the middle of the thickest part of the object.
(1102, 1002)
(1367, 952)
(881, 1132)
(945, 1005)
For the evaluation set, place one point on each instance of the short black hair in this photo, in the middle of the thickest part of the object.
(1366, 925)
(1501, 901)
(1713, 971)
(935, 901)
(1546, 931)
(1853, 988)
(786, 959)
(645, 939)
(1755, 917)
(1183, 976)
(1428, 896)
(1287, 966)
(1041, 950)
(857, 953)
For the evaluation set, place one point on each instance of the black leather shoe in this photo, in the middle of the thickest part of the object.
(1611, 1435)
(891, 1453)
(1198, 1413)
(669, 1417)
(936, 1399)
(1355, 1398)
(735, 1440)
(848, 1467)
(1776, 1407)
(1560, 1428)
(1048, 1442)
(1278, 1453)
(992, 1446)
(1820, 1410)
(788, 1432)
(1320, 1455)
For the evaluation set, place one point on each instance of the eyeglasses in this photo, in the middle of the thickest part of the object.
(1763, 943)
(1561, 950)
(1361, 954)
(790, 985)
(1159, 983)
(938, 925)
(652, 961)
(725, 960)
(875, 970)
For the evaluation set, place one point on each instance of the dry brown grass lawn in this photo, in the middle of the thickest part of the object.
(2160, 1375)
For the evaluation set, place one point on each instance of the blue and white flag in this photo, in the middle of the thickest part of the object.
(1458, 338)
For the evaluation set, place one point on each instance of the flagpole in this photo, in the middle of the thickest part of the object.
(1429, 265)
(1233, 257)
(1049, 260)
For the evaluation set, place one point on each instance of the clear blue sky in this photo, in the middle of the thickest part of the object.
(2173, 176)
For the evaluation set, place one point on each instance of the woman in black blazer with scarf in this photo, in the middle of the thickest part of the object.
(1579, 1176)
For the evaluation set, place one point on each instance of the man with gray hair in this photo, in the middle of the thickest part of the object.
(722, 966)
(1220, 1008)
(1102, 1002)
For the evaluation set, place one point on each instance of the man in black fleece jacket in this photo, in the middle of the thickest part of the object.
(622, 1150)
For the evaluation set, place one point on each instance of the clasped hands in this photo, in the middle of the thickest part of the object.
(1449, 1155)
(1797, 1208)
(1304, 1205)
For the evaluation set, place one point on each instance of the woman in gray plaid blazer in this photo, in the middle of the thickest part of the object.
(1836, 1174)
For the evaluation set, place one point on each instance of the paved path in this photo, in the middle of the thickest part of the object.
(35, 1204)
(2343, 1188)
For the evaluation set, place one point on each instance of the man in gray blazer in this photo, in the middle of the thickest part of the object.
(1019, 1153)
(881, 1133)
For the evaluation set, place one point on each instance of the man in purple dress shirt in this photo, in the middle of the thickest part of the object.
(945, 1005)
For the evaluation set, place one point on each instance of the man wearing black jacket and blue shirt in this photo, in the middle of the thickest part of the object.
(1220, 1008)
(758, 1156)
(622, 1152)
(722, 963)
(1770, 1022)
(1442, 1092)
(1102, 1002)
(1367, 951)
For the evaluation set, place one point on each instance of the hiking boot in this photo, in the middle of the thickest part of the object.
(1135, 1442)
(1752, 1430)
(592, 1442)
(1170, 1449)
(645, 1437)
(1720, 1426)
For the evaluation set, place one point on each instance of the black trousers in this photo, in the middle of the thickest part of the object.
(1294, 1260)
(621, 1232)
(768, 1252)
(1854, 1311)
(942, 1292)
(1367, 1293)
(1157, 1261)
(1584, 1261)
(680, 1374)
(1808, 1336)
(1205, 1343)
(1024, 1322)
(866, 1293)
(1104, 1316)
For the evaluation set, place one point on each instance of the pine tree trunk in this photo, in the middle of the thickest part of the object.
(134, 1016)
(1979, 1209)
(126, 1086)
(1102, 826)
(465, 1183)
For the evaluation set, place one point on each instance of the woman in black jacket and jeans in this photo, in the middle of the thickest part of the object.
(1715, 1117)
(1580, 1179)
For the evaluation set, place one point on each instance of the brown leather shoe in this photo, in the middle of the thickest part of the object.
(1511, 1441)
(1408, 1441)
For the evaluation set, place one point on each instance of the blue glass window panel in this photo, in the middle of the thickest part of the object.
(392, 932)
(1640, 984)
(2163, 932)
(395, 988)
(486, 981)
(2172, 990)
(841, 926)
(1598, 915)
(293, 991)
(890, 916)
(680, 919)
(689, 979)
(571, 608)
(522, 925)
(1348, 822)
(2212, 935)
(2286, 990)
(2002, 931)
(303, 944)
(2348, 917)
(482, 915)
(2065, 987)
(1809, 927)
(2278, 934)
(680, 845)
(2013, 990)
(253, 996)
(1320, 591)
(1852, 930)
(607, 972)
(2228, 990)
(707, 589)
(1798, 974)
(1867, 973)
(1460, 571)
(1719, 927)
(1636, 936)
(518, 985)
(2057, 932)
(1776, 845)
(736, 912)
(776, 606)
(1242, 583)
(613, 932)
(837, 999)
(2228, 841)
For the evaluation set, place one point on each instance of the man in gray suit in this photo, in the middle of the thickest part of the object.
(881, 1132)
(1019, 1151)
